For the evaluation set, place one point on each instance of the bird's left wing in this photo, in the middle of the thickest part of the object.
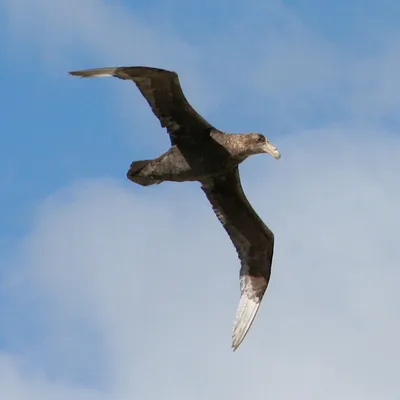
(163, 92)
(253, 241)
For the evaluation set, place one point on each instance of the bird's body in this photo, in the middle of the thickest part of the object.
(210, 157)
(200, 152)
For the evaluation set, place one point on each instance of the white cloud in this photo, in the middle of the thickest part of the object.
(160, 289)
(99, 29)
(289, 74)
(22, 385)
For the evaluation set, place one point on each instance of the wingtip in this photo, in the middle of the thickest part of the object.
(78, 73)
(95, 72)
(245, 316)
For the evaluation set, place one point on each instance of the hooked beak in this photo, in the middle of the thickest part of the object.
(272, 150)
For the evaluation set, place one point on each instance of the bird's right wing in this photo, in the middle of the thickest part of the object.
(163, 92)
(253, 241)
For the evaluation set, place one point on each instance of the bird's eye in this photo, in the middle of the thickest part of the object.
(261, 138)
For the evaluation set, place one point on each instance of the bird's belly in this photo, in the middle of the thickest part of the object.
(180, 166)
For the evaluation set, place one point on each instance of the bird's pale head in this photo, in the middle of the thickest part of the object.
(258, 144)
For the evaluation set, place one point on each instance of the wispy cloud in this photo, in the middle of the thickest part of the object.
(109, 32)
(280, 68)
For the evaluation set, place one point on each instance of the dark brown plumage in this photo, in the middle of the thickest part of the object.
(202, 153)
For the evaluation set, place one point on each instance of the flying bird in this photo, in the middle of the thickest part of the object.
(200, 152)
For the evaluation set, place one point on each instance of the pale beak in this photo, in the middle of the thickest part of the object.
(272, 150)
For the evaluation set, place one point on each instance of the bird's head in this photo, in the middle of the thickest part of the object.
(258, 144)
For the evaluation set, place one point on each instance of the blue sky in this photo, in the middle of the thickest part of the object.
(80, 245)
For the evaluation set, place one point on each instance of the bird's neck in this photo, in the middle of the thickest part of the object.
(235, 143)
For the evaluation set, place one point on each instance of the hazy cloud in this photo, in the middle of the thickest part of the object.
(281, 68)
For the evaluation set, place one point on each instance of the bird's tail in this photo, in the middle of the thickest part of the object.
(134, 173)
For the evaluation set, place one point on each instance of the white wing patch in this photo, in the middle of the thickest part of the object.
(95, 72)
(252, 289)
(101, 75)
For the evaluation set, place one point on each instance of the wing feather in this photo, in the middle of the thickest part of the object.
(253, 241)
(163, 92)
